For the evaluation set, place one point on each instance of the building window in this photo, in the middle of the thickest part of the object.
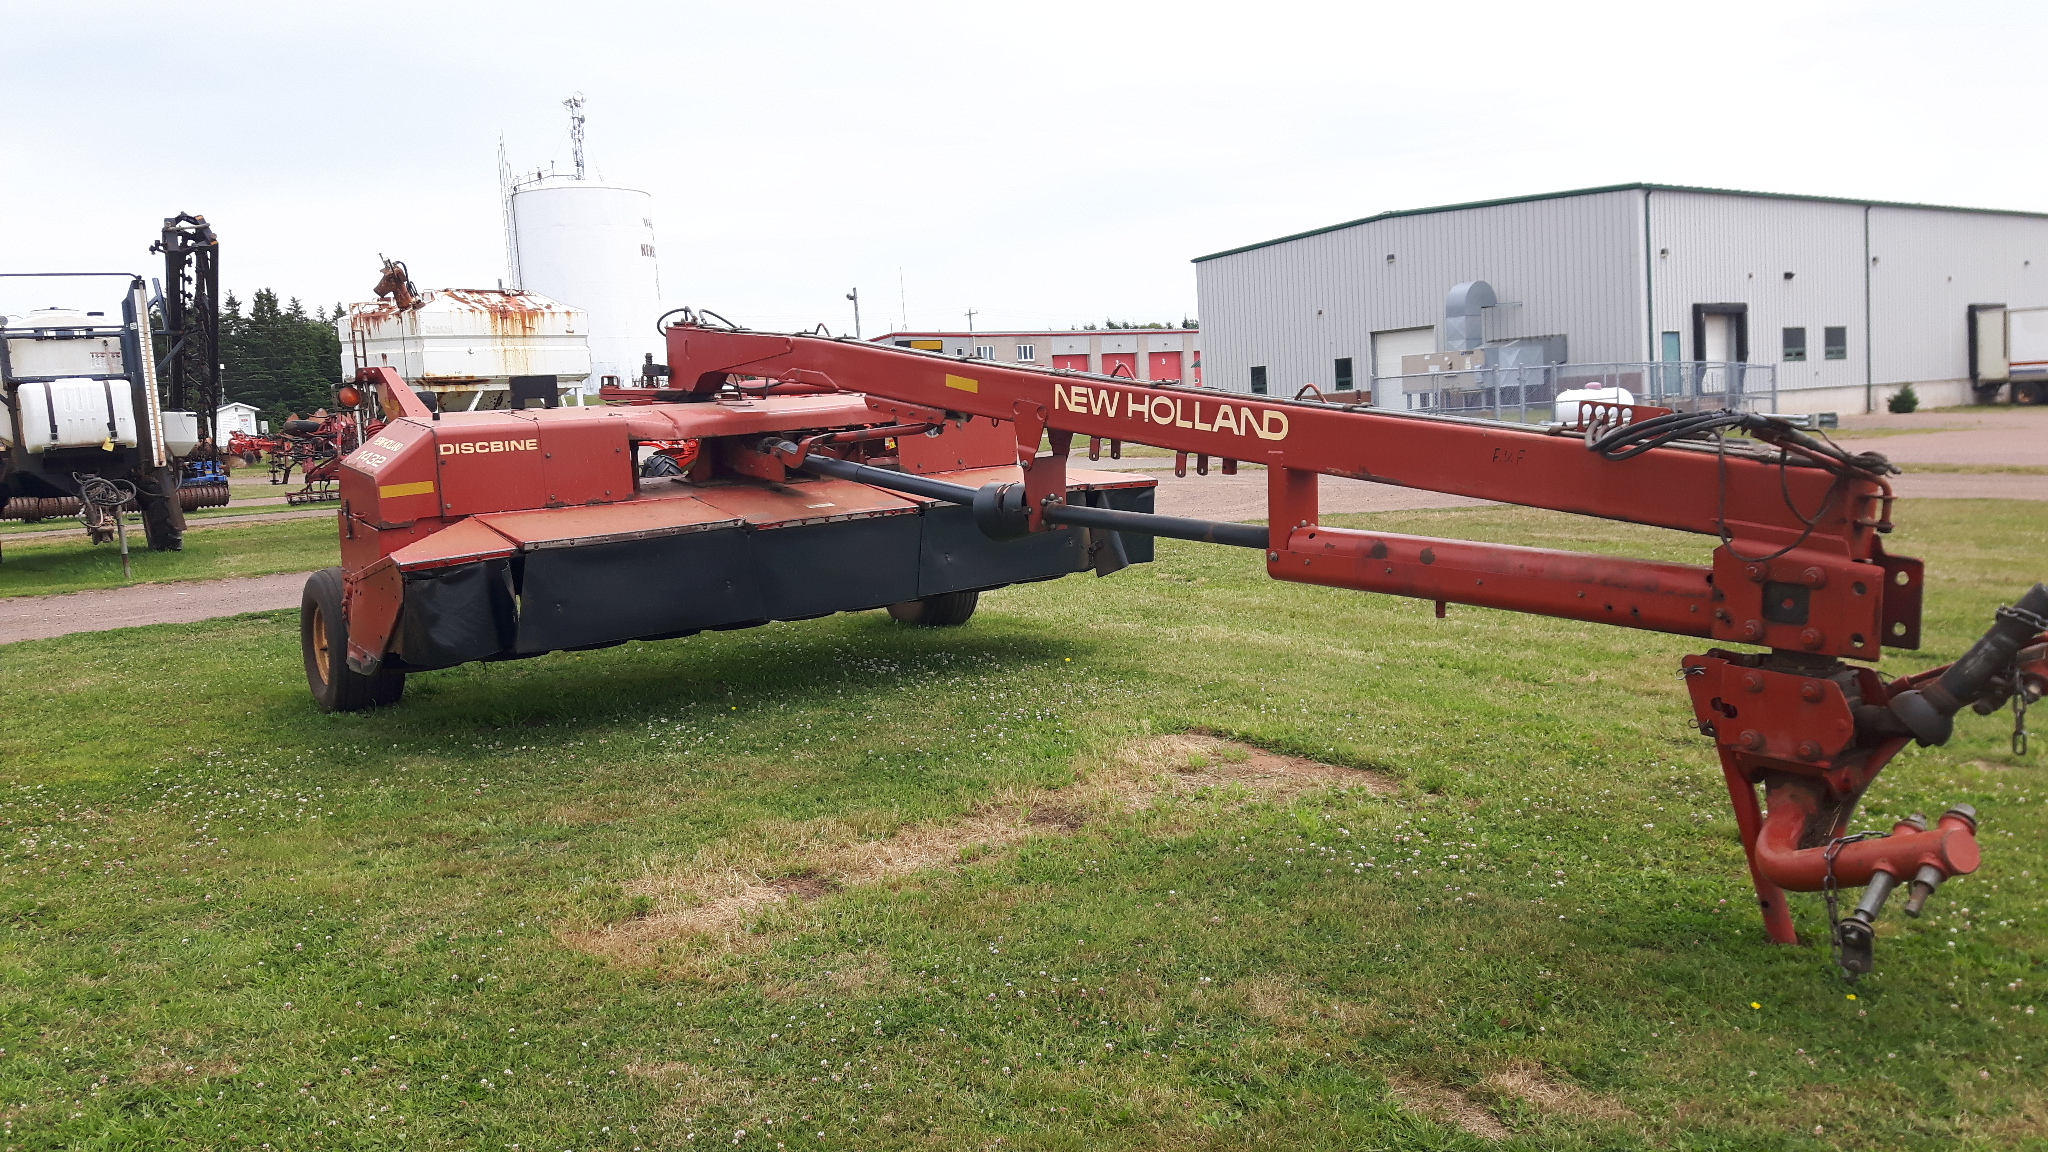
(984, 351)
(1795, 345)
(1836, 342)
(1344, 374)
(1027, 353)
(1671, 346)
(1258, 379)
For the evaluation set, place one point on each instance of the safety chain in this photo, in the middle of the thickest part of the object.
(1828, 889)
(2038, 623)
(2034, 620)
(2019, 714)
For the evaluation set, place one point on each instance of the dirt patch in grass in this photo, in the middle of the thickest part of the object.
(1527, 1082)
(1520, 1081)
(1446, 1105)
(1200, 760)
(691, 1088)
(2019, 1120)
(717, 894)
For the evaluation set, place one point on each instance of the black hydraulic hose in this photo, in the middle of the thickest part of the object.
(1111, 519)
(1930, 712)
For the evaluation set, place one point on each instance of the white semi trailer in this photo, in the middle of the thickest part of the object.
(2009, 348)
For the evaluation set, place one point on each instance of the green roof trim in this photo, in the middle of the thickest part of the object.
(1612, 188)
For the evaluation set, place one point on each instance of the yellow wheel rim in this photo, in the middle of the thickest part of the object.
(322, 659)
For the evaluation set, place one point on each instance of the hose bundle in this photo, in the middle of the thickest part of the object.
(1631, 440)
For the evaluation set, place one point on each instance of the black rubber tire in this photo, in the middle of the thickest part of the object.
(946, 610)
(323, 639)
(163, 517)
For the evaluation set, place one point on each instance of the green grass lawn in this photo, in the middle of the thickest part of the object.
(70, 564)
(233, 922)
(76, 531)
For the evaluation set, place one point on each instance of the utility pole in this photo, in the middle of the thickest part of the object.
(970, 321)
(855, 297)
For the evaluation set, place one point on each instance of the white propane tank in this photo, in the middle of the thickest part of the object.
(181, 433)
(76, 414)
(1568, 401)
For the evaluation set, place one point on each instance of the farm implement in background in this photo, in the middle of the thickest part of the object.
(310, 446)
(832, 475)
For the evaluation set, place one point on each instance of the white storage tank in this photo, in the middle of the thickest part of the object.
(467, 343)
(591, 245)
(73, 410)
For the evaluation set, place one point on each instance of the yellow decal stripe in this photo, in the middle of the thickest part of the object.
(963, 383)
(419, 489)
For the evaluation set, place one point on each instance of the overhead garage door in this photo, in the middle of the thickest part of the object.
(1388, 348)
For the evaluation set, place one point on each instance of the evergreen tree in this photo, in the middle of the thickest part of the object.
(278, 358)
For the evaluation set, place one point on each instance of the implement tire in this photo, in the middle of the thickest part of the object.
(323, 637)
(946, 610)
(163, 514)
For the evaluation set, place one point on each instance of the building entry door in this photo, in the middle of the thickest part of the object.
(1720, 333)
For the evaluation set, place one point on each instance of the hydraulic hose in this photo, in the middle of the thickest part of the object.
(1929, 713)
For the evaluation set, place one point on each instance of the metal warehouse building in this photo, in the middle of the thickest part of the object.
(1811, 304)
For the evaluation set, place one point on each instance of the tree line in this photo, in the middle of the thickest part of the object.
(279, 357)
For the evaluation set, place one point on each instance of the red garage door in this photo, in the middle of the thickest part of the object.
(1165, 365)
(1124, 364)
(1074, 363)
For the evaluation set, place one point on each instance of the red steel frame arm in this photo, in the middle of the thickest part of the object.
(1833, 593)
(1676, 489)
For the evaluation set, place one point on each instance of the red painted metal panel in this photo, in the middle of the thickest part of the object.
(1123, 364)
(391, 478)
(1071, 363)
(586, 461)
(461, 541)
(1164, 365)
(811, 501)
(979, 443)
(489, 466)
(601, 524)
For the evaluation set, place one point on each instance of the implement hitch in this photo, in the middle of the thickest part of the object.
(1814, 733)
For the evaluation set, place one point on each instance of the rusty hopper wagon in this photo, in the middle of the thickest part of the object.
(809, 475)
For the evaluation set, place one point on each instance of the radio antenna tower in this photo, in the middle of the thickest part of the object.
(507, 184)
(575, 106)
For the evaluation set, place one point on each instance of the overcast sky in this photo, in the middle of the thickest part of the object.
(1046, 164)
